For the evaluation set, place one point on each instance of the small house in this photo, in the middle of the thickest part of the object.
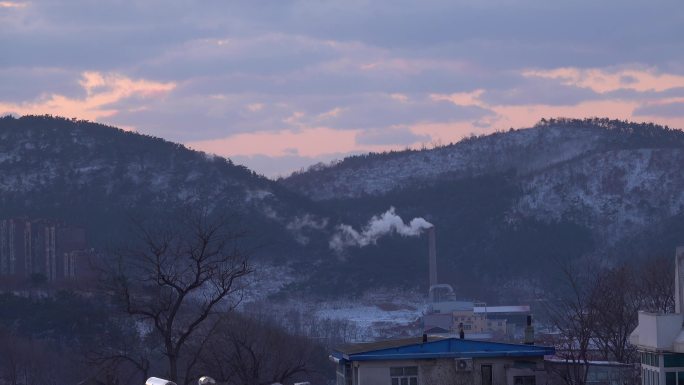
(437, 361)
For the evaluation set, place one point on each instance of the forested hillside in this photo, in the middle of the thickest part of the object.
(512, 206)
(105, 179)
(509, 208)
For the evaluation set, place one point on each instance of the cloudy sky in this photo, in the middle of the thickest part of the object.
(280, 84)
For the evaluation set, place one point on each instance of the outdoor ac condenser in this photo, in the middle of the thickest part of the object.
(464, 364)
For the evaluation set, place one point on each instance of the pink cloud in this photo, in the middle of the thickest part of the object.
(309, 142)
(102, 90)
(443, 133)
(321, 141)
(12, 4)
(603, 81)
(464, 99)
(527, 115)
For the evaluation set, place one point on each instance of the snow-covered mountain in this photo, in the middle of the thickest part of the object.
(507, 207)
(100, 176)
(613, 177)
(375, 174)
(617, 193)
(525, 150)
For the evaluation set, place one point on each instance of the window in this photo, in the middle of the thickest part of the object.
(344, 373)
(670, 378)
(673, 360)
(486, 371)
(652, 359)
(404, 375)
(644, 379)
(524, 380)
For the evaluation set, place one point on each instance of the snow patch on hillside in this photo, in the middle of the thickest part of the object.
(615, 193)
(524, 150)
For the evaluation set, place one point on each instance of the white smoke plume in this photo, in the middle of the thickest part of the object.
(298, 225)
(377, 227)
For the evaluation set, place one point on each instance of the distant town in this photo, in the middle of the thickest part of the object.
(457, 341)
(43, 251)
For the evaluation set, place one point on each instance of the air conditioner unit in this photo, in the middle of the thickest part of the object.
(464, 364)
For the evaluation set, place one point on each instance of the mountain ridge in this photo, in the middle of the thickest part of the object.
(507, 209)
(71, 169)
(474, 156)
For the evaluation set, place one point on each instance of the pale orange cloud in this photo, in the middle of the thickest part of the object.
(310, 142)
(520, 116)
(402, 98)
(603, 81)
(102, 90)
(443, 133)
(464, 99)
(319, 141)
(600, 81)
(527, 115)
(12, 4)
(672, 121)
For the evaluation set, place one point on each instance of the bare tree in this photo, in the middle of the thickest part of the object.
(656, 280)
(599, 311)
(178, 279)
(248, 351)
(124, 358)
(574, 317)
(616, 300)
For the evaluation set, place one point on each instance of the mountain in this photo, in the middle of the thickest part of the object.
(103, 178)
(511, 206)
(525, 151)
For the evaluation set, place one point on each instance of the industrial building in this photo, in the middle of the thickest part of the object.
(660, 337)
(440, 361)
(41, 247)
(446, 315)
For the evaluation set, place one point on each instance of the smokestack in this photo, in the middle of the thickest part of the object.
(432, 255)
(679, 280)
(529, 332)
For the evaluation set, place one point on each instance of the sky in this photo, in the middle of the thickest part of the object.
(279, 85)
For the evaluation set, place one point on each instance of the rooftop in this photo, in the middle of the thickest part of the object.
(502, 309)
(436, 347)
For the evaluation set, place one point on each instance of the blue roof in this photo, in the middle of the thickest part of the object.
(414, 348)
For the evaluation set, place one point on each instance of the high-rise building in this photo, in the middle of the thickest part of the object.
(12, 247)
(41, 246)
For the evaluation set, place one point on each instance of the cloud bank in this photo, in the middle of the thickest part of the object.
(301, 81)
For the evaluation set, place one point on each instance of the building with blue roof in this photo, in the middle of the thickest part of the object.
(440, 361)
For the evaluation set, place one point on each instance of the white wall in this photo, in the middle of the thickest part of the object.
(657, 331)
(444, 372)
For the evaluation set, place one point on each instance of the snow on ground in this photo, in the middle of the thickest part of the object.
(265, 281)
(366, 316)
(377, 314)
(374, 316)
